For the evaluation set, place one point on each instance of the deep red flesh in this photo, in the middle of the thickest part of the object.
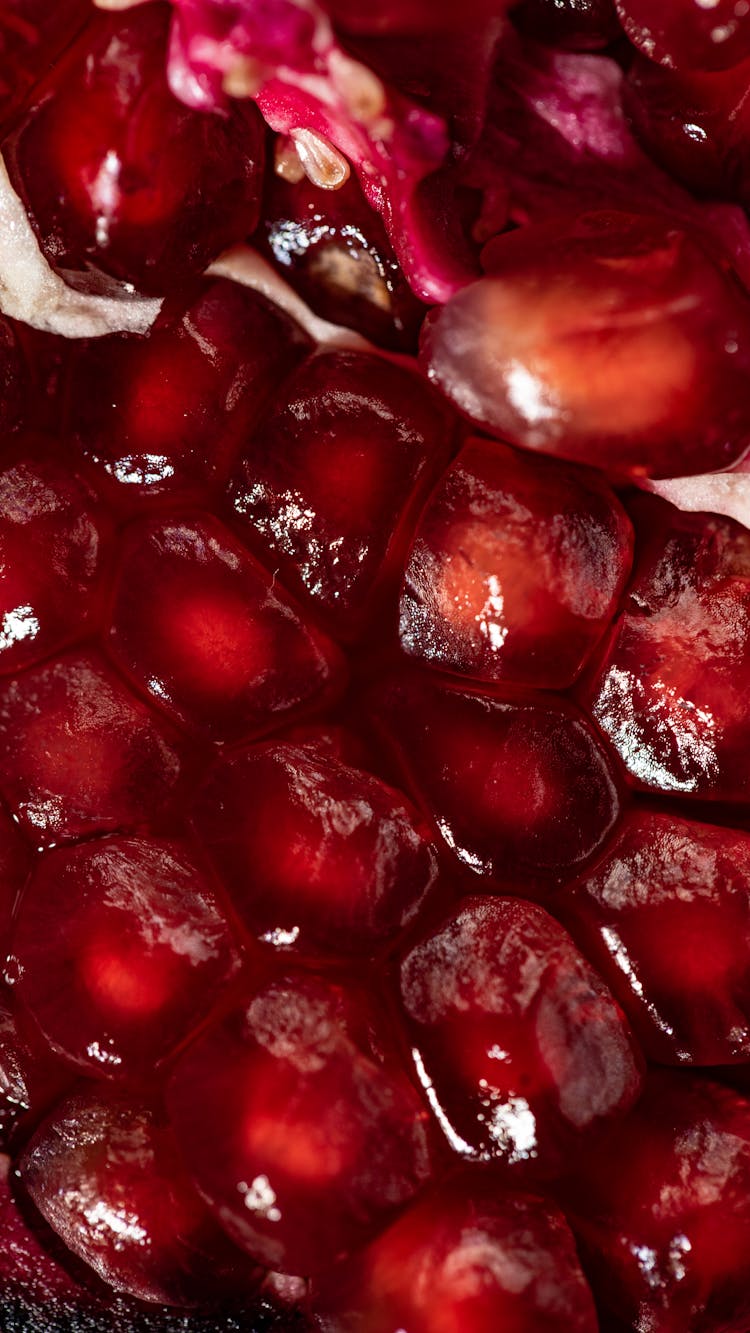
(118, 177)
(314, 853)
(373, 756)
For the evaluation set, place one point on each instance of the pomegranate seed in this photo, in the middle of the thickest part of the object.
(671, 690)
(79, 754)
(662, 1212)
(303, 1125)
(516, 783)
(613, 340)
(688, 34)
(694, 123)
(140, 952)
(324, 486)
(515, 570)
(210, 634)
(30, 1078)
(469, 1257)
(665, 918)
(333, 248)
(105, 1174)
(53, 539)
(518, 1042)
(120, 178)
(313, 852)
(165, 414)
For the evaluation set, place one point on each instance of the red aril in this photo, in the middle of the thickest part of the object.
(314, 853)
(30, 1077)
(671, 691)
(210, 635)
(516, 1039)
(121, 179)
(694, 123)
(323, 487)
(164, 415)
(314, 1145)
(665, 918)
(104, 1172)
(471, 1256)
(334, 250)
(517, 783)
(661, 1209)
(54, 539)
(515, 569)
(79, 754)
(140, 952)
(613, 340)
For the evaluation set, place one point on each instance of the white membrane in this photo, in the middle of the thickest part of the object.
(714, 492)
(30, 291)
(246, 266)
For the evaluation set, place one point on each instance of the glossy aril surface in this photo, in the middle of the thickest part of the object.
(670, 692)
(334, 250)
(324, 484)
(80, 754)
(373, 740)
(54, 543)
(118, 177)
(519, 1042)
(688, 34)
(314, 853)
(202, 628)
(515, 569)
(306, 1125)
(470, 1257)
(163, 415)
(104, 1172)
(141, 951)
(517, 784)
(613, 340)
(665, 918)
(30, 1078)
(664, 1220)
(693, 122)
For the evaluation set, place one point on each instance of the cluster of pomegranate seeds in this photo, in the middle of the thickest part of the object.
(374, 778)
